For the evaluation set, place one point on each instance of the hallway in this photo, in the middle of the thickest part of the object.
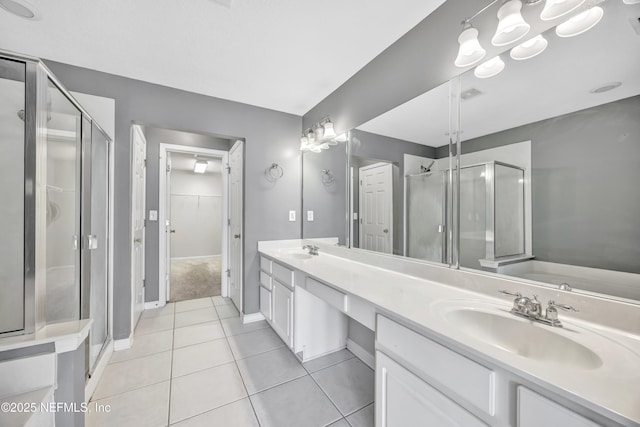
(193, 363)
(195, 278)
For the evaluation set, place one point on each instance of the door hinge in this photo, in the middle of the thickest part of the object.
(360, 220)
(145, 163)
(168, 167)
(228, 169)
(229, 222)
(144, 283)
(228, 272)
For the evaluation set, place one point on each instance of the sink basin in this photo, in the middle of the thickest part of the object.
(496, 326)
(295, 253)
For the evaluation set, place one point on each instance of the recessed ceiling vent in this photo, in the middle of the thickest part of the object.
(606, 87)
(470, 93)
(20, 8)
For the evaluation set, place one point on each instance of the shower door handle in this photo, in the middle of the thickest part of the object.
(92, 242)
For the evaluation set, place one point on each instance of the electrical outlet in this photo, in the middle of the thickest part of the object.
(153, 215)
(292, 216)
(309, 216)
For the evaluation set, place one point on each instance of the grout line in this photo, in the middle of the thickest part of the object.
(205, 369)
(207, 411)
(173, 339)
(196, 324)
(257, 354)
(328, 366)
(141, 357)
(330, 400)
(255, 414)
(197, 343)
(133, 389)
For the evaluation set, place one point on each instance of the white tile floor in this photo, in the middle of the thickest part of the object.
(194, 363)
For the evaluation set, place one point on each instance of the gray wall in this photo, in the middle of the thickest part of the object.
(70, 379)
(270, 136)
(362, 336)
(585, 177)
(156, 136)
(328, 202)
(366, 145)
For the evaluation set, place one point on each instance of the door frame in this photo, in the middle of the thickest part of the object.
(163, 286)
(239, 144)
(136, 129)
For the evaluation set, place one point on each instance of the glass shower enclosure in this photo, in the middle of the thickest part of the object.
(492, 214)
(54, 217)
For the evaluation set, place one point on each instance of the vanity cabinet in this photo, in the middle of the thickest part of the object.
(535, 410)
(276, 298)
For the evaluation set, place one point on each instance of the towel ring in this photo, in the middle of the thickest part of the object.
(327, 177)
(274, 172)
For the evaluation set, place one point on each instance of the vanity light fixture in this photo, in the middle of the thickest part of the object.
(470, 52)
(21, 8)
(580, 23)
(200, 166)
(490, 68)
(511, 25)
(320, 136)
(554, 9)
(530, 48)
(631, 1)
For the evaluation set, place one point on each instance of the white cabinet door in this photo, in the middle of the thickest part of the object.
(535, 411)
(265, 303)
(282, 314)
(403, 399)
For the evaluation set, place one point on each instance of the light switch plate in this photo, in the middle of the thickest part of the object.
(292, 216)
(309, 216)
(153, 215)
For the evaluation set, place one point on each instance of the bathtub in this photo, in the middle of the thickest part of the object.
(592, 280)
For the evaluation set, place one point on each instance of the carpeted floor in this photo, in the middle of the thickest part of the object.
(195, 278)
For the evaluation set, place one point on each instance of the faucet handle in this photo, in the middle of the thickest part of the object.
(564, 307)
(513, 294)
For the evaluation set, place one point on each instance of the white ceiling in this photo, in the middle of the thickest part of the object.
(564, 74)
(286, 55)
(185, 162)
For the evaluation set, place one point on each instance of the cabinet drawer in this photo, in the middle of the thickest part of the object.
(265, 280)
(536, 410)
(265, 303)
(265, 264)
(282, 274)
(464, 377)
(334, 297)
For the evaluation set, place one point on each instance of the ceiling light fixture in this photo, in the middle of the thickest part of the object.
(511, 25)
(320, 136)
(20, 8)
(606, 87)
(470, 52)
(554, 9)
(490, 68)
(631, 1)
(200, 166)
(530, 48)
(580, 23)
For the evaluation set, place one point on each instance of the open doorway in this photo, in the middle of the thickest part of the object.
(195, 213)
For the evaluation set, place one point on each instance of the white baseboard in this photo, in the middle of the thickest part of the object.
(153, 304)
(92, 382)
(362, 354)
(180, 258)
(251, 318)
(123, 344)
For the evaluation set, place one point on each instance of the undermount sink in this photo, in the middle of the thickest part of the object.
(499, 328)
(295, 253)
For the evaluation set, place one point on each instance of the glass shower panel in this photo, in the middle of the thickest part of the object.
(63, 135)
(97, 244)
(473, 216)
(12, 143)
(509, 210)
(425, 216)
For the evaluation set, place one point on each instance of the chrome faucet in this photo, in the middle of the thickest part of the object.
(313, 249)
(530, 308)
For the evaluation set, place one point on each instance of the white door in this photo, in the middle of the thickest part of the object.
(282, 315)
(167, 228)
(137, 224)
(376, 207)
(235, 224)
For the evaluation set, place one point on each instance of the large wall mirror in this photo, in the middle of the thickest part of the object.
(399, 172)
(550, 162)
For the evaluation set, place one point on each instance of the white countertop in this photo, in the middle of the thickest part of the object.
(612, 390)
(67, 336)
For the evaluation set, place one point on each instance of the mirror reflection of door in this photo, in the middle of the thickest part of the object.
(376, 207)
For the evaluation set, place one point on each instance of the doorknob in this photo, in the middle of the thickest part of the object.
(172, 231)
(386, 230)
(236, 236)
(138, 240)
